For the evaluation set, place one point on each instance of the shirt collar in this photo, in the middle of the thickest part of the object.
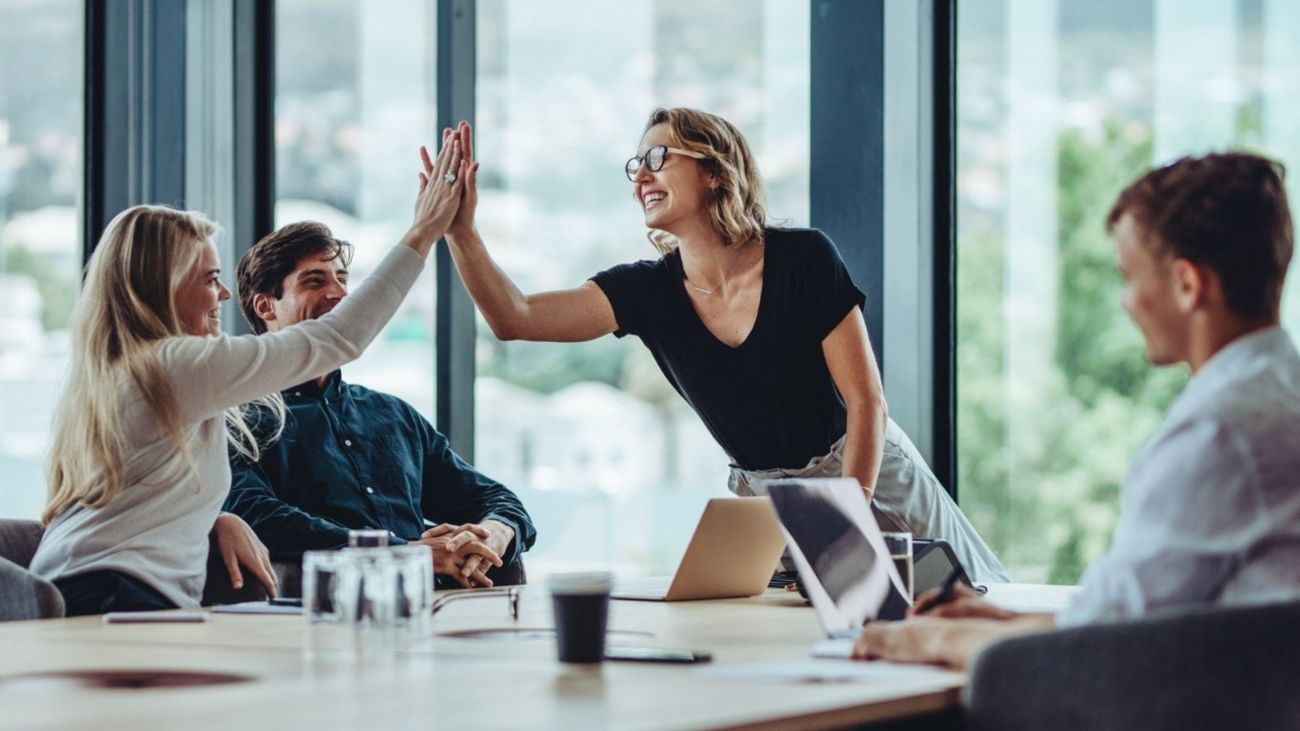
(309, 389)
(1232, 360)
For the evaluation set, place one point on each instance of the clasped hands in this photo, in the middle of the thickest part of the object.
(466, 552)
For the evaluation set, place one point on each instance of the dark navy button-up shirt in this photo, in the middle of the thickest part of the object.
(350, 457)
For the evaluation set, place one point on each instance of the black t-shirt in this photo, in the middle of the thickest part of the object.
(770, 402)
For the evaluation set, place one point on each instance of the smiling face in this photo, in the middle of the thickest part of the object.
(1153, 295)
(680, 191)
(198, 299)
(315, 286)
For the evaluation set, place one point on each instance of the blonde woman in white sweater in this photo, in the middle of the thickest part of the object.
(139, 467)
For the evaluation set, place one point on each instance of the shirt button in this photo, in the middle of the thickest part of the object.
(370, 490)
(297, 393)
(347, 442)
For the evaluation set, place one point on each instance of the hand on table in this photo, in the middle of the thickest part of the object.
(499, 536)
(240, 546)
(966, 603)
(952, 633)
(462, 552)
(917, 640)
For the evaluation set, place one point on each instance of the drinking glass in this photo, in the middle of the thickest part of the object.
(367, 538)
(413, 592)
(324, 633)
(350, 599)
(900, 552)
(365, 597)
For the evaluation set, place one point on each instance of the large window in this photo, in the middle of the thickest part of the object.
(354, 100)
(1060, 103)
(40, 243)
(609, 460)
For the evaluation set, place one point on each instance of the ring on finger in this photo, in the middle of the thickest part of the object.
(449, 177)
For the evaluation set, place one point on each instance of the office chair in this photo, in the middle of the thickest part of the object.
(1219, 668)
(24, 595)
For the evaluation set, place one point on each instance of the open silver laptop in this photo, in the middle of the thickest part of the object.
(733, 552)
(840, 554)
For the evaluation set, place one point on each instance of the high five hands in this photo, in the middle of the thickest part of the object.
(461, 141)
(442, 185)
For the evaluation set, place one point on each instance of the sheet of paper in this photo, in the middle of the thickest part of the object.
(841, 648)
(255, 608)
(826, 671)
(1031, 598)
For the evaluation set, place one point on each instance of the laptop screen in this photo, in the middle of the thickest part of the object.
(837, 547)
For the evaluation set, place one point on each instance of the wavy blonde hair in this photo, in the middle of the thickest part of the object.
(739, 209)
(127, 307)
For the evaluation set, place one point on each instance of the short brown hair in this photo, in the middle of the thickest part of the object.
(1226, 211)
(263, 268)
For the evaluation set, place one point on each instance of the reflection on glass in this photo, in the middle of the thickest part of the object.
(40, 241)
(1059, 105)
(355, 99)
(606, 456)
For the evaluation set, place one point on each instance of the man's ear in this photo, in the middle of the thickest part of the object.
(263, 306)
(1191, 284)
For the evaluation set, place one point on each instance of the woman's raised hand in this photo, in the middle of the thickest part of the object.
(441, 186)
(463, 223)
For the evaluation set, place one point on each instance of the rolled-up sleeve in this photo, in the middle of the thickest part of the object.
(454, 492)
(1190, 514)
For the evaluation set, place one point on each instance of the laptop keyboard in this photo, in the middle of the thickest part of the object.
(643, 585)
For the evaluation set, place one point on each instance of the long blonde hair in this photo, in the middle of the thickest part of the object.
(739, 209)
(127, 307)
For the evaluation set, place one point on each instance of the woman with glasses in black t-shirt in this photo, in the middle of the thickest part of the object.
(759, 328)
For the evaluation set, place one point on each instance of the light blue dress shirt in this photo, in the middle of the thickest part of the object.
(1210, 510)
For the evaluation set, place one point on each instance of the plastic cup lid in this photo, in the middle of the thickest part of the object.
(586, 582)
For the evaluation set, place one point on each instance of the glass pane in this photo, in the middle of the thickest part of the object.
(40, 231)
(354, 101)
(609, 460)
(1060, 104)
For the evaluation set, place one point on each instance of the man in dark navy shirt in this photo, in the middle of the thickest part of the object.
(350, 457)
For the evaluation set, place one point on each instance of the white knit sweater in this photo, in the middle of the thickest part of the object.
(156, 529)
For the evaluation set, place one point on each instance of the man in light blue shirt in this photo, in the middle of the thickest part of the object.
(1210, 510)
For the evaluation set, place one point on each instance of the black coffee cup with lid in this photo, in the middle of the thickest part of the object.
(580, 602)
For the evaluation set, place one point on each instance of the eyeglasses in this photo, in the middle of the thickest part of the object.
(654, 160)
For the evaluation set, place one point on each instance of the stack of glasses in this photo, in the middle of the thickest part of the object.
(369, 599)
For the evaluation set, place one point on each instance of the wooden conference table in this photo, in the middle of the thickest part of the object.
(762, 675)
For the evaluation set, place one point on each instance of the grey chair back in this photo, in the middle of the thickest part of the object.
(24, 595)
(1220, 668)
(19, 539)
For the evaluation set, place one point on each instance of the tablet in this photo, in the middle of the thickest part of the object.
(932, 560)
